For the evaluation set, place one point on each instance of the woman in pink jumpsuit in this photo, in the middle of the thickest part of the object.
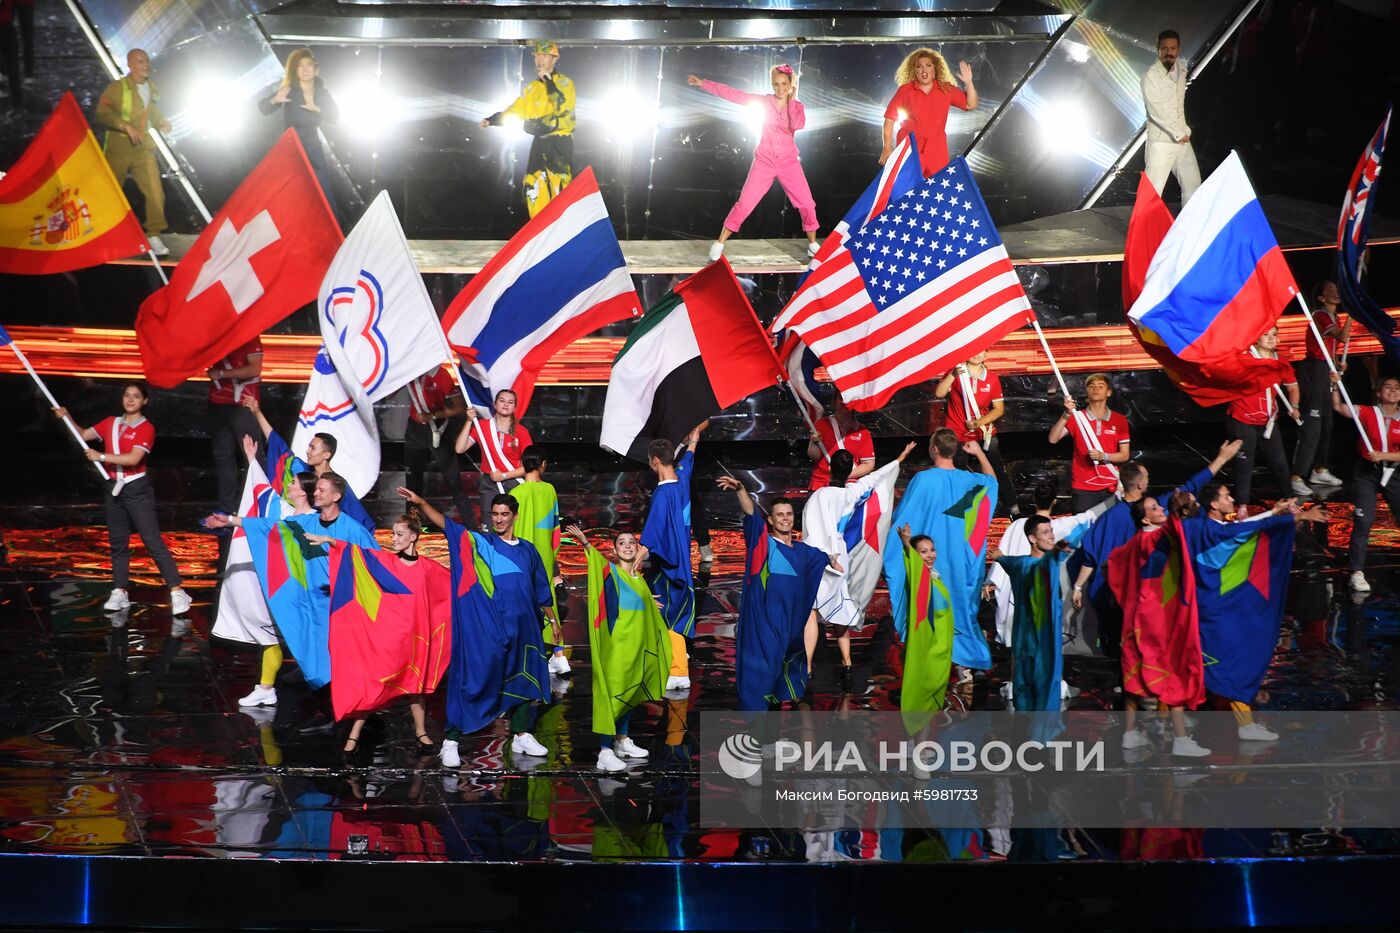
(776, 156)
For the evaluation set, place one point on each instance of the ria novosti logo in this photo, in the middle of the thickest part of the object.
(741, 757)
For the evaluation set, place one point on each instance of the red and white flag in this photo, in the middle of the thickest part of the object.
(260, 258)
(922, 286)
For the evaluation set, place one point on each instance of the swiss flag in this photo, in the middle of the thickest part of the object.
(261, 257)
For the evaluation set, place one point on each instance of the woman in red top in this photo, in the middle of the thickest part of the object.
(129, 501)
(975, 420)
(503, 439)
(1315, 436)
(927, 91)
(1093, 475)
(1254, 422)
(1382, 425)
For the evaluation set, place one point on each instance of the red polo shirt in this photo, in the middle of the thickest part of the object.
(1111, 434)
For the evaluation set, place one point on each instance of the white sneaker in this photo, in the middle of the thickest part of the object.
(812, 248)
(157, 245)
(677, 683)
(118, 601)
(525, 744)
(964, 675)
(180, 602)
(1185, 746)
(626, 748)
(558, 664)
(1323, 477)
(608, 761)
(716, 251)
(1135, 739)
(707, 554)
(449, 755)
(1257, 732)
(1358, 583)
(261, 696)
(1301, 488)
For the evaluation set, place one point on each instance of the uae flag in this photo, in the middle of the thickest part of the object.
(700, 350)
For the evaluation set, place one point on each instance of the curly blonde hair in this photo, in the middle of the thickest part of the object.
(943, 75)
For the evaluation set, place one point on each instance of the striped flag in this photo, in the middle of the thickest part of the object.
(560, 278)
(899, 175)
(924, 285)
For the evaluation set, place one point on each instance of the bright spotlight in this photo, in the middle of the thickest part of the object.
(367, 105)
(754, 117)
(626, 115)
(1077, 51)
(219, 107)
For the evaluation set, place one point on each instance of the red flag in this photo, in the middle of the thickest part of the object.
(1154, 580)
(261, 257)
(60, 206)
(1208, 382)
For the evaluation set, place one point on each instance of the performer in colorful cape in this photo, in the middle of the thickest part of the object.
(928, 649)
(1370, 482)
(1115, 528)
(232, 619)
(629, 644)
(537, 521)
(547, 109)
(482, 645)
(1154, 580)
(777, 628)
(1036, 643)
(391, 631)
(502, 439)
(282, 465)
(294, 574)
(842, 520)
(954, 507)
(776, 156)
(666, 536)
(1241, 582)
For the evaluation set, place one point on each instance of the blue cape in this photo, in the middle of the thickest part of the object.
(667, 536)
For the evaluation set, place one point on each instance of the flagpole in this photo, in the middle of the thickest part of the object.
(1059, 377)
(970, 402)
(480, 434)
(53, 403)
(1386, 472)
(160, 270)
(792, 390)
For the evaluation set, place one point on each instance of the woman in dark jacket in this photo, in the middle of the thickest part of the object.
(306, 104)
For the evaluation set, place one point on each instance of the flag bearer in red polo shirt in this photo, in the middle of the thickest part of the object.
(974, 406)
(230, 379)
(502, 439)
(839, 431)
(129, 501)
(436, 413)
(1381, 422)
(1255, 423)
(1093, 474)
(1315, 437)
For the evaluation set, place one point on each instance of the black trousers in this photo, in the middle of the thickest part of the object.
(419, 452)
(1006, 493)
(227, 426)
(9, 64)
(1366, 487)
(1255, 444)
(1315, 402)
(135, 510)
(489, 490)
(1082, 500)
(24, 12)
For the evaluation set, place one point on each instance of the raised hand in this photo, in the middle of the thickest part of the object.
(575, 532)
(905, 533)
(1230, 448)
(250, 448)
(410, 495)
(693, 81)
(964, 72)
(728, 483)
(904, 454)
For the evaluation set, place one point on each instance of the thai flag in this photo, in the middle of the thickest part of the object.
(561, 277)
(1352, 239)
(863, 524)
(1219, 279)
(5, 340)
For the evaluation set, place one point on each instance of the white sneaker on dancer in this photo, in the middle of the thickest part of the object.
(1134, 738)
(608, 761)
(261, 696)
(1301, 488)
(1324, 477)
(626, 748)
(707, 554)
(157, 245)
(118, 601)
(450, 756)
(1358, 582)
(677, 683)
(180, 602)
(558, 664)
(716, 251)
(1257, 732)
(525, 744)
(1185, 746)
(812, 248)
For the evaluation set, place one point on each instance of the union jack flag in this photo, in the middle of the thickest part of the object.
(1351, 243)
(923, 285)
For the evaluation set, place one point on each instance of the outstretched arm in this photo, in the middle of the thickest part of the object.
(733, 485)
(975, 449)
(250, 402)
(430, 513)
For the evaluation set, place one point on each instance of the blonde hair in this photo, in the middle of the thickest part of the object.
(942, 73)
(293, 61)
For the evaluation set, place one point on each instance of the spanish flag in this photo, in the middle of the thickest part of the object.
(60, 206)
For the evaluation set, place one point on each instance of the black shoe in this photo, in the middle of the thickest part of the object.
(846, 678)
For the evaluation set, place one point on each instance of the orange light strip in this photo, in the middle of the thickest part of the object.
(113, 354)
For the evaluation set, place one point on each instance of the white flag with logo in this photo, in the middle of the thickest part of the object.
(377, 321)
(329, 409)
(243, 614)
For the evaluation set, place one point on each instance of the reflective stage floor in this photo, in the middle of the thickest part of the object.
(120, 735)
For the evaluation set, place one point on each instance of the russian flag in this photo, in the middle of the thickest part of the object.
(1219, 279)
(560, 278)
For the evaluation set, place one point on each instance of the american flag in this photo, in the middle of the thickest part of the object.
(923, 285)
(1351, 243)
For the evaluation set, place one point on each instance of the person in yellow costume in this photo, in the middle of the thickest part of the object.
(128, 108)
(547, 108)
